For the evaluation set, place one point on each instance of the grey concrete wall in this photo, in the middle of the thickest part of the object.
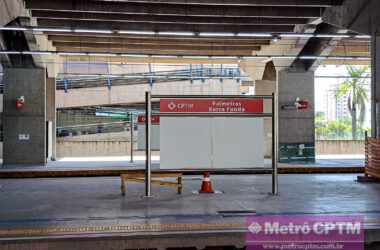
(296, 126)
(30, 120)
(264, 87)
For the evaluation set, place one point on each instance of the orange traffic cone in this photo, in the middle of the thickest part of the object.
(206, 184)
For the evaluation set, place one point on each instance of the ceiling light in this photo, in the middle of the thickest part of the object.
(165, 56)
(216, 34)
(297, 35)
(93, 31)
(361, 58)
(363, 37)
(10, 52)
(102, 54)
(72, 54)
(332, 36)
(166, 33)
(254, 35)
(225, 57)
(136, 32)
(51, 30)
(196, 57)
(284, 57)
(134, 55)
(14, 28)
(37, 53)
(255, 57)
(312, 57)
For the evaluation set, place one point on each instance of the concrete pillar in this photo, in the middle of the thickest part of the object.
(51, 115)
(24, 129)
(296, 127)
(375, 86)
(265, 87)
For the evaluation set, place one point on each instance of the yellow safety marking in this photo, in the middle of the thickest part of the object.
(119, 229)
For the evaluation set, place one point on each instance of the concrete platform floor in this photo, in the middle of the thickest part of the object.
(85, 202)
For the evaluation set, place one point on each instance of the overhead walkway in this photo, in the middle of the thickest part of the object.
(130, 88)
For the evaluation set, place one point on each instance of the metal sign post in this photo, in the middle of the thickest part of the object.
(148, 162)
(132, 126)
(274, 147)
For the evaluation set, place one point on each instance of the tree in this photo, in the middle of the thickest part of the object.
(355, 88)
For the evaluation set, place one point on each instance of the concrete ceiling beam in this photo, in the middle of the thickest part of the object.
(176, 9)
(180, 47)
(362, 16)
(294, 3)
(111, 25)
(165, 19)
(159, 41)
(192, 52)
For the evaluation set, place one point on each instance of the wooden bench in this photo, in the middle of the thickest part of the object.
(140, 178)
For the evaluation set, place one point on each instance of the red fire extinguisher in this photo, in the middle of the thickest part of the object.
(297, 105)
(302, 104)
(20, 102)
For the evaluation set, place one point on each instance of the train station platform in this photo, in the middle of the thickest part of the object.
(80, 213)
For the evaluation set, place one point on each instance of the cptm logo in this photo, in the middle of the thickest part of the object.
(172, 106)
(255, 228)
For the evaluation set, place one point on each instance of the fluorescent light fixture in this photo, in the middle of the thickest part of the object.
(93, 31)
(51, 30)
(284, 57)
(216, 34)
(254, 35)
(38, 53)
(10, 52)
(168, 33)
(134, 55)
(332, 36)
(362, 58)
(362, 37)
(136, 32)
(225, 57)
(255, 57)
(101, 54)
(196, 57)
(297, 35)
(312, 57)
(14, 28)
(164, 56)
(72, 54)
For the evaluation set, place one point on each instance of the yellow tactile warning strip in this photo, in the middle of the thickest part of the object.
(135, 229)
(125, 229)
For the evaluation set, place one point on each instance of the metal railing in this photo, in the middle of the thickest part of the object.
(202, 74)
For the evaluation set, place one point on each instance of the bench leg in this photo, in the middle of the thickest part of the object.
(122, 186)
(179, 188)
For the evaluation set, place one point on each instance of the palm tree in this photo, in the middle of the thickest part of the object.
(355, 88)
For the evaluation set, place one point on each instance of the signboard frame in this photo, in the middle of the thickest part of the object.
(220, 113)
